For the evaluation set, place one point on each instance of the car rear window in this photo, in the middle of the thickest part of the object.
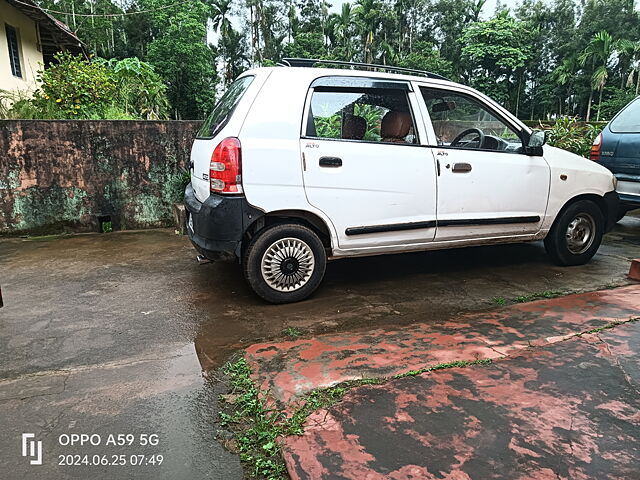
(224, 108)
(628, 120)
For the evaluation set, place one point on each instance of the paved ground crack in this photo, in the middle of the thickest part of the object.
(616, 360)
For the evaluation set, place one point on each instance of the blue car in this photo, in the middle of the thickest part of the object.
(618, 149)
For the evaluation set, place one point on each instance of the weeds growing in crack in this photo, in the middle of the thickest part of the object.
(538, 296)
(608, 326)
(441, 366)
(292, 332)
(499, 301)
(258, 424)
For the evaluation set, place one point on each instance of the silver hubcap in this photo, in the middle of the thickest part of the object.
(287, 264)
(580, 233)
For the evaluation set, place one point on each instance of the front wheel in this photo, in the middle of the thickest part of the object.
(576, 234)
(285, 263)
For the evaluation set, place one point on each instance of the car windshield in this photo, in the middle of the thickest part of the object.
(628, 120)
(224, 108)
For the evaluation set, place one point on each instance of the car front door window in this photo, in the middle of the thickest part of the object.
(460, 121)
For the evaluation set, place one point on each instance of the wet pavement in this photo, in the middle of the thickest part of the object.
(120, 333)
(290, 369)
(566, 411)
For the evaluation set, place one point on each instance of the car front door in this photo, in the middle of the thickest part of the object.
(488, 186)
(363, 164)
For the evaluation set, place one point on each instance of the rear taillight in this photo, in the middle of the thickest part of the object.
(225, 170)
(595, 148)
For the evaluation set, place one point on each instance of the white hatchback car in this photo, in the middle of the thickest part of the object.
(299, 165)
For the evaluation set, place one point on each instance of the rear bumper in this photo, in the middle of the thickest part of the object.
(217, 225)
(612, 202)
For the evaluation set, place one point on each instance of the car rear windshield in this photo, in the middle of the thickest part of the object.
(224, 108)
(628, 120)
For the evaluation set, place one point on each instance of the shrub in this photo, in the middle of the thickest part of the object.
(140, 90)
(569, 134)
(77, 88)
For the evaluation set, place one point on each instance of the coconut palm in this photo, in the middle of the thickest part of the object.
(632, 49)
(564, 75)
(599, 51)
(220, 13)
(343, 28)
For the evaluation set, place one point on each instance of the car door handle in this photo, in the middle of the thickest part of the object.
(461, 167)
(330, 162)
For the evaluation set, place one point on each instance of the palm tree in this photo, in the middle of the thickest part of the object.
(633, 50)
(599, 51)
(343, 28)
(563, 75)
(220, 12)
(367, 20)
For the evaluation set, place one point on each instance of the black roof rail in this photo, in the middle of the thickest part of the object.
(312, 62)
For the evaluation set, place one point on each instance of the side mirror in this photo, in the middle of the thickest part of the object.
(537, 139)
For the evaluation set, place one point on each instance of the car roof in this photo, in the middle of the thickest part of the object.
(314, 72)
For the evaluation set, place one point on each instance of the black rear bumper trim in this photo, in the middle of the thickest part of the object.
(218, 224)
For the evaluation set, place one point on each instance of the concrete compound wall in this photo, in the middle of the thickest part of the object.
(66, 175)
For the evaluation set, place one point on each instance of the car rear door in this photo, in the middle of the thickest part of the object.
(364, 167)
(487, 188)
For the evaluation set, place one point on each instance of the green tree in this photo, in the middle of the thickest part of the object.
(426, 57)
(306, 45)
(495, 51)
(181, 56)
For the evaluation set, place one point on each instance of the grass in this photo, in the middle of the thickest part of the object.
(538, 296)
(292, 332)
(258, 424)
(528, 298)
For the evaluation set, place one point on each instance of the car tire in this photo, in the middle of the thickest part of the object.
(284, 263)
(576, 234)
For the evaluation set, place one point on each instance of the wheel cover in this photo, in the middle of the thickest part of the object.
(287, 265)
(580, 233)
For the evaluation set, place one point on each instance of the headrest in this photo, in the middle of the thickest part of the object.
(353, 127)
(395, 125)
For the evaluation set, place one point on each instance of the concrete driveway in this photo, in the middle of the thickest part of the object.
(110, 334)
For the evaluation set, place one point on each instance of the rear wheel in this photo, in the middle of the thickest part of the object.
(576, 234)
(285, 263)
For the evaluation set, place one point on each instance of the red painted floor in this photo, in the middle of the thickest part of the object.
(289, 369)
(570, 410)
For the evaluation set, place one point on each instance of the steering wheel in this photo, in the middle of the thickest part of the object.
(456, 141)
